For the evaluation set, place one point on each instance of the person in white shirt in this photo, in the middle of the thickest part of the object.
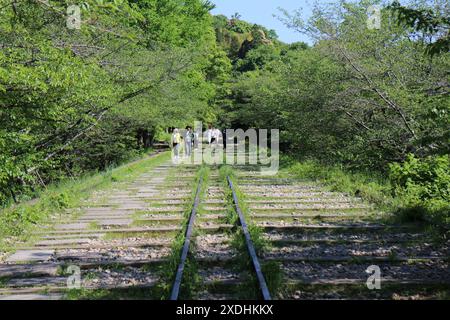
(215, 136)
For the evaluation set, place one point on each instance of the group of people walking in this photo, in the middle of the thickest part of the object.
(213, 136)
(190, 139)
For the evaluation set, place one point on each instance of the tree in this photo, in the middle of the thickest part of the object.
(360, 97)
(436, 23)
(79, 100)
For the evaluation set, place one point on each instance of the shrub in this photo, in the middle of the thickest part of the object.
(423, 185)
(58, 200)
(421, 181)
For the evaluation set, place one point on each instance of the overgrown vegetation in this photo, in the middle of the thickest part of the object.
(76, 100)
(359, 104)
(423, 187)
(415, 191)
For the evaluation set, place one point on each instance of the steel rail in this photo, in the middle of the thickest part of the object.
(251, 249)
(187, 241)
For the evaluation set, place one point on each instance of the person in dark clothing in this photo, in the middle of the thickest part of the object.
(224, 138)
(188, 142)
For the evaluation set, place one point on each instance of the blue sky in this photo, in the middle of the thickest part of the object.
(262, 11)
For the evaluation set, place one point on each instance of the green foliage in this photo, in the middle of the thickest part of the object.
(371, 187)
(258, 58)
(74, 101)
(359, 97)
(58, 201)
(428, 178)
(237, 37)
(77, 101)
(429, 21)
(416, 190)
(424, 187)
(175, 22)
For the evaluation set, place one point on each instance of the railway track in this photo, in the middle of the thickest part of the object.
(244, 236)
(120, 241)
(221, 275)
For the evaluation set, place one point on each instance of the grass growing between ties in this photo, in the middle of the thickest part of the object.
(413, 192)
(249, 289)
(59, 202)
(191, 281)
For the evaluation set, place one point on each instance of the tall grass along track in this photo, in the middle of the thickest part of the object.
(187, 243)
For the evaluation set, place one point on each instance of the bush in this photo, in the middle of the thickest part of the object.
(423, 185)
(58, 200)
(422, 181)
